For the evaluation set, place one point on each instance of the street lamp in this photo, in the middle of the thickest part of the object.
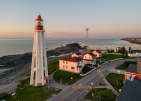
(93, 90)
(71, 79)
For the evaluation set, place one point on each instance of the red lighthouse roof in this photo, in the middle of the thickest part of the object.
(39, 18)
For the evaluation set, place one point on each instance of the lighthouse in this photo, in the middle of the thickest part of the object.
(39, 68)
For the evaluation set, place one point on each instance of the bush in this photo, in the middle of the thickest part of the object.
(3, 94)
(127, 63)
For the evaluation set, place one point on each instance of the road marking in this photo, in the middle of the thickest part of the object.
(79, 95)
(84, 91)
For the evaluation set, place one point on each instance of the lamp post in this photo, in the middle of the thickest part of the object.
(93, 90)
(71, 79)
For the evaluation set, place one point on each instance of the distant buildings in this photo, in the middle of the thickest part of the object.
(77, 61)
(73, 64)
(97, 52)
(116, 50)
(89, 58)
(77, 55)
(135, 54)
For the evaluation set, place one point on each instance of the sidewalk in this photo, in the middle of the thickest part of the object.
(54, 84)
(111, 87)
(117, 71)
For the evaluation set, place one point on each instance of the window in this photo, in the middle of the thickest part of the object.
(89, 57)
(72, 68)
(63, 66)
(66, 62)
(63, 61)
(85, 56)
(66, 66)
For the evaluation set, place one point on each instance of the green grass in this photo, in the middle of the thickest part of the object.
(86, 68)
(112, 79)
(65, 77)
(121, 67)
(53, 64)
(101, 92)
(111, 56)
(25, 92)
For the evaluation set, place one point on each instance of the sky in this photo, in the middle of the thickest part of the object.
(70, 18)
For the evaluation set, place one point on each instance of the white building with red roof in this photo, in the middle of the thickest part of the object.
(77, 55)
(73, 64)
(89, 58)
(97, 52)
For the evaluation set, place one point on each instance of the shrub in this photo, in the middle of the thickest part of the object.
(3, 94)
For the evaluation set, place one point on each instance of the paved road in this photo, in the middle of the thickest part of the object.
(70, 94)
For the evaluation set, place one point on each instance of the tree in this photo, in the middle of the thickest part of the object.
(130, 49)
(122, 50)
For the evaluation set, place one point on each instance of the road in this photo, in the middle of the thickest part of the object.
(71, 94)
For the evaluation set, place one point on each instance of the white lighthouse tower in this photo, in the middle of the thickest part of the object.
(39, 69)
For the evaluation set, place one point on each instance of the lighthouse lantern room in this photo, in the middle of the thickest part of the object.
(39, 69)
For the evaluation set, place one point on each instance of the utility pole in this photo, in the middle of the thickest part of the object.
(87, 38)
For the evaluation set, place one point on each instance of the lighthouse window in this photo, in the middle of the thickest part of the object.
(39, 23)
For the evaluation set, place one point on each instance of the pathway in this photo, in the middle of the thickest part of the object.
(54, 84)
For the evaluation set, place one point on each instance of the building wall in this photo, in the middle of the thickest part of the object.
(89, 62)
(97, 54)
(71, 66)
(87, 56)
(74, 55)
(134, 54)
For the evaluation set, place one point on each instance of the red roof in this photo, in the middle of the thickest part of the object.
(78, 53)
(98, 51)
(72, 59)
(79, 66)
(87, 60)
(93, 55)
(39, 18)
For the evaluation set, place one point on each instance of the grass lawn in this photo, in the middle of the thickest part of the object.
(103, 92)
(86, 68)
(85, 71)
(113, 78)
(121, 67)
(111, 56)
(65, 77)
(25, 92)
(53, 64)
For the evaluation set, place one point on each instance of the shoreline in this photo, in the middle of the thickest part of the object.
(132, 40)
(12, 61)
(18, 65)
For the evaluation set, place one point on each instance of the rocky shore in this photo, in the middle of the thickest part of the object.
(15, 67)
(21, 59)
(133, 40)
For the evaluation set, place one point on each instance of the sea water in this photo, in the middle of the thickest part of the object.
(20, 46)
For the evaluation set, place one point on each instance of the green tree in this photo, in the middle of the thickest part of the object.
(122, 50)
(130, 49)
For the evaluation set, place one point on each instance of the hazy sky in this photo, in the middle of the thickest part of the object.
(70, 18)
